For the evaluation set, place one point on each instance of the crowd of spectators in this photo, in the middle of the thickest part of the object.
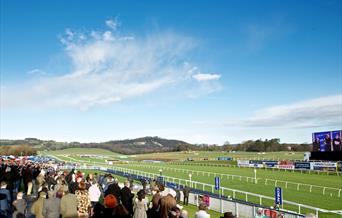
(42, 190)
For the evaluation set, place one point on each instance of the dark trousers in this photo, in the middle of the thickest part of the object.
(186, 200)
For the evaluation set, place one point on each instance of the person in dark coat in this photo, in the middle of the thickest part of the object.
(127, 197)
(5, 204)
(327, 143)
(186, 192)
(337, 145)
(121, 212)
(115, 190)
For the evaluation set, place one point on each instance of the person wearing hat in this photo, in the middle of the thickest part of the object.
(110, 202)
(37, 206)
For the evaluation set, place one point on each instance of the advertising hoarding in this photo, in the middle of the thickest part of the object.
(302, 165)
(324, 166)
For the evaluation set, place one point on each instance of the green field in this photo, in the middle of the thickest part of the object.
(230, 177)
(200, 155)
(175, 156)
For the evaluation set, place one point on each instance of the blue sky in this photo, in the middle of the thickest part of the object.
(199, 71)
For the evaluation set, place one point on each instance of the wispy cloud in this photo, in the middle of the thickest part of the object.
(313, 113)
(36, 72)
(108, 67)
(113, 24)
(206, 77)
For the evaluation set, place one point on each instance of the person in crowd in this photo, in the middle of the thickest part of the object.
(94, 193)
(19, 205)
(337, 145)
(140, 205)
(35, 182)
(107, 181)
(83, 200)
(184, 214)
(98, 211)
(153, 211)
(166, 204)
(186, 192)
(68, 206)
(143, 183)
(50, 181)
(259, 213)
(130, 180)
(127, 197)
(228, 215)
(5, 204)
(27, 178)
(121, 212)
(110, 202)
(37, 206)
(51, 206)
(175, 212)
(202, 213)
(114, 189)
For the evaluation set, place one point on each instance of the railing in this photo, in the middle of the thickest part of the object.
(324, 189)
(218, 203)
(338, 173)
(209, 187)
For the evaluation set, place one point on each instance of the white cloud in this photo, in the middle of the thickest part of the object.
(206, 77)
(313, 113)
(112, 24)
(36, 72)
(107, 68)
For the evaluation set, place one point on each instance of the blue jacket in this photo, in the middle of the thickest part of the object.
(5, 203)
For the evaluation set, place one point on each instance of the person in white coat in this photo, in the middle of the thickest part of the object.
(140, 205)
(94, 193)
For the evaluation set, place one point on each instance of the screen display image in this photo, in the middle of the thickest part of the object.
(327, 141)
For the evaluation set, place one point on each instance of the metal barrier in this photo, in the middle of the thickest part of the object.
(218, 203)
(205, 187)
(274, 182)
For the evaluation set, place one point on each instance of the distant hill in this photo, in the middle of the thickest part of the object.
(157, 144)
(127, 146)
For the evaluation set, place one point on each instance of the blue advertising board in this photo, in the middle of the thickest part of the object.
(270, 163)
(217, 183)
(302, 165)
(224, 158)
(255, 161)
(278, 196)
(172, 185)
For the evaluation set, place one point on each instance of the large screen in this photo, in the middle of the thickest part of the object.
(327, 141)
